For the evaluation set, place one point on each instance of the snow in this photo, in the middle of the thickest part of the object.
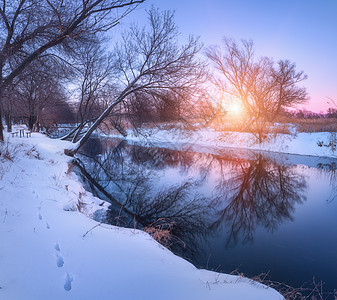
(214, 141)
(50, 250)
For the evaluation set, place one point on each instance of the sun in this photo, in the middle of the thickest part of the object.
(235, 108)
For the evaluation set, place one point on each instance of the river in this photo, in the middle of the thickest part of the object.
(253, 212)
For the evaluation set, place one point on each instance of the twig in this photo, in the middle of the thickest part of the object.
(99, 224)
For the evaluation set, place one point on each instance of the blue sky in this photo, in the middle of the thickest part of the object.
(303, 31)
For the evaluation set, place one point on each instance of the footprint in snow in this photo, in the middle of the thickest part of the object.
(67, 283)
(57, 247)
(59, 258)
(60, 262)
(40, 216)
(47, 225)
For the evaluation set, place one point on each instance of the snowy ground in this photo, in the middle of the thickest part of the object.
(50, 250)
(215, 141)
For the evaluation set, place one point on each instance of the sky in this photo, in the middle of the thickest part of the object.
(303, 31)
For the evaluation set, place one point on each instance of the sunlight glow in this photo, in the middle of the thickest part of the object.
(235, 109)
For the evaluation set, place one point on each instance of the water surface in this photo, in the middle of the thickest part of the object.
(239, 210)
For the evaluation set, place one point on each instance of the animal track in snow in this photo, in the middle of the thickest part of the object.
(67, 283)
(57, 247)
(59, 258)
(60, 262)
(47, 225)
(40, 216)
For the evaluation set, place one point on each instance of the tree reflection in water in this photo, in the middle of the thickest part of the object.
(329, 171)
(128, 177)
(247, 193)
(259, 192)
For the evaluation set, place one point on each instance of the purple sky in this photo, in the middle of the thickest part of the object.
(303, 31)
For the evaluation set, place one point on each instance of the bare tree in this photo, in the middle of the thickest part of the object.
(162, 107)
(263, 87)
(29, 28)
(36, 89)
(151, 61)
(93, 70)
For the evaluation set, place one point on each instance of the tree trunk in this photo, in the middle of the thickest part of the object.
(8, 120)
(31, 122)
(1, 127)
(68, 135)
(120, 129)
(78, 132)
(37, 126)
(128, 90)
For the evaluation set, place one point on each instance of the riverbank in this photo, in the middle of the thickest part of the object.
(322, 144)
(52, 249)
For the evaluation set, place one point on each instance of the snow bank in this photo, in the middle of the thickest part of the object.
(50, 250)
(300, 143)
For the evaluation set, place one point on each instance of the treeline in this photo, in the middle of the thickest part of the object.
(57, 64)
(307, 114)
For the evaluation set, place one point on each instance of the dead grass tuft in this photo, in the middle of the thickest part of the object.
(311, 125)
(32, 152)
(80, 204)
(8, 151)
(311, 290)
(70, 168)
(160, 230)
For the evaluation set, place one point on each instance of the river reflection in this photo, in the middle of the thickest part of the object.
(128, 178)
(221, 210)
(259, 192)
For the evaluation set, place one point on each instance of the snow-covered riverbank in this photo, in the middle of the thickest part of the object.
(299, 143)
(50, 250)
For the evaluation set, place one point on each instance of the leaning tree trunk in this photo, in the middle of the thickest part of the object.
(69, 135)
(78, 132)
(99, 120)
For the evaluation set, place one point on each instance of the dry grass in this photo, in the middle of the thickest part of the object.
(70, 168)
(312, 125)
(160, 231)
(269, 128)
(80, 204)
(226, 126)
(311, 290)
(308, 291)
(8, 151)
(32, 152)
(282, 125)
(7, 155)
